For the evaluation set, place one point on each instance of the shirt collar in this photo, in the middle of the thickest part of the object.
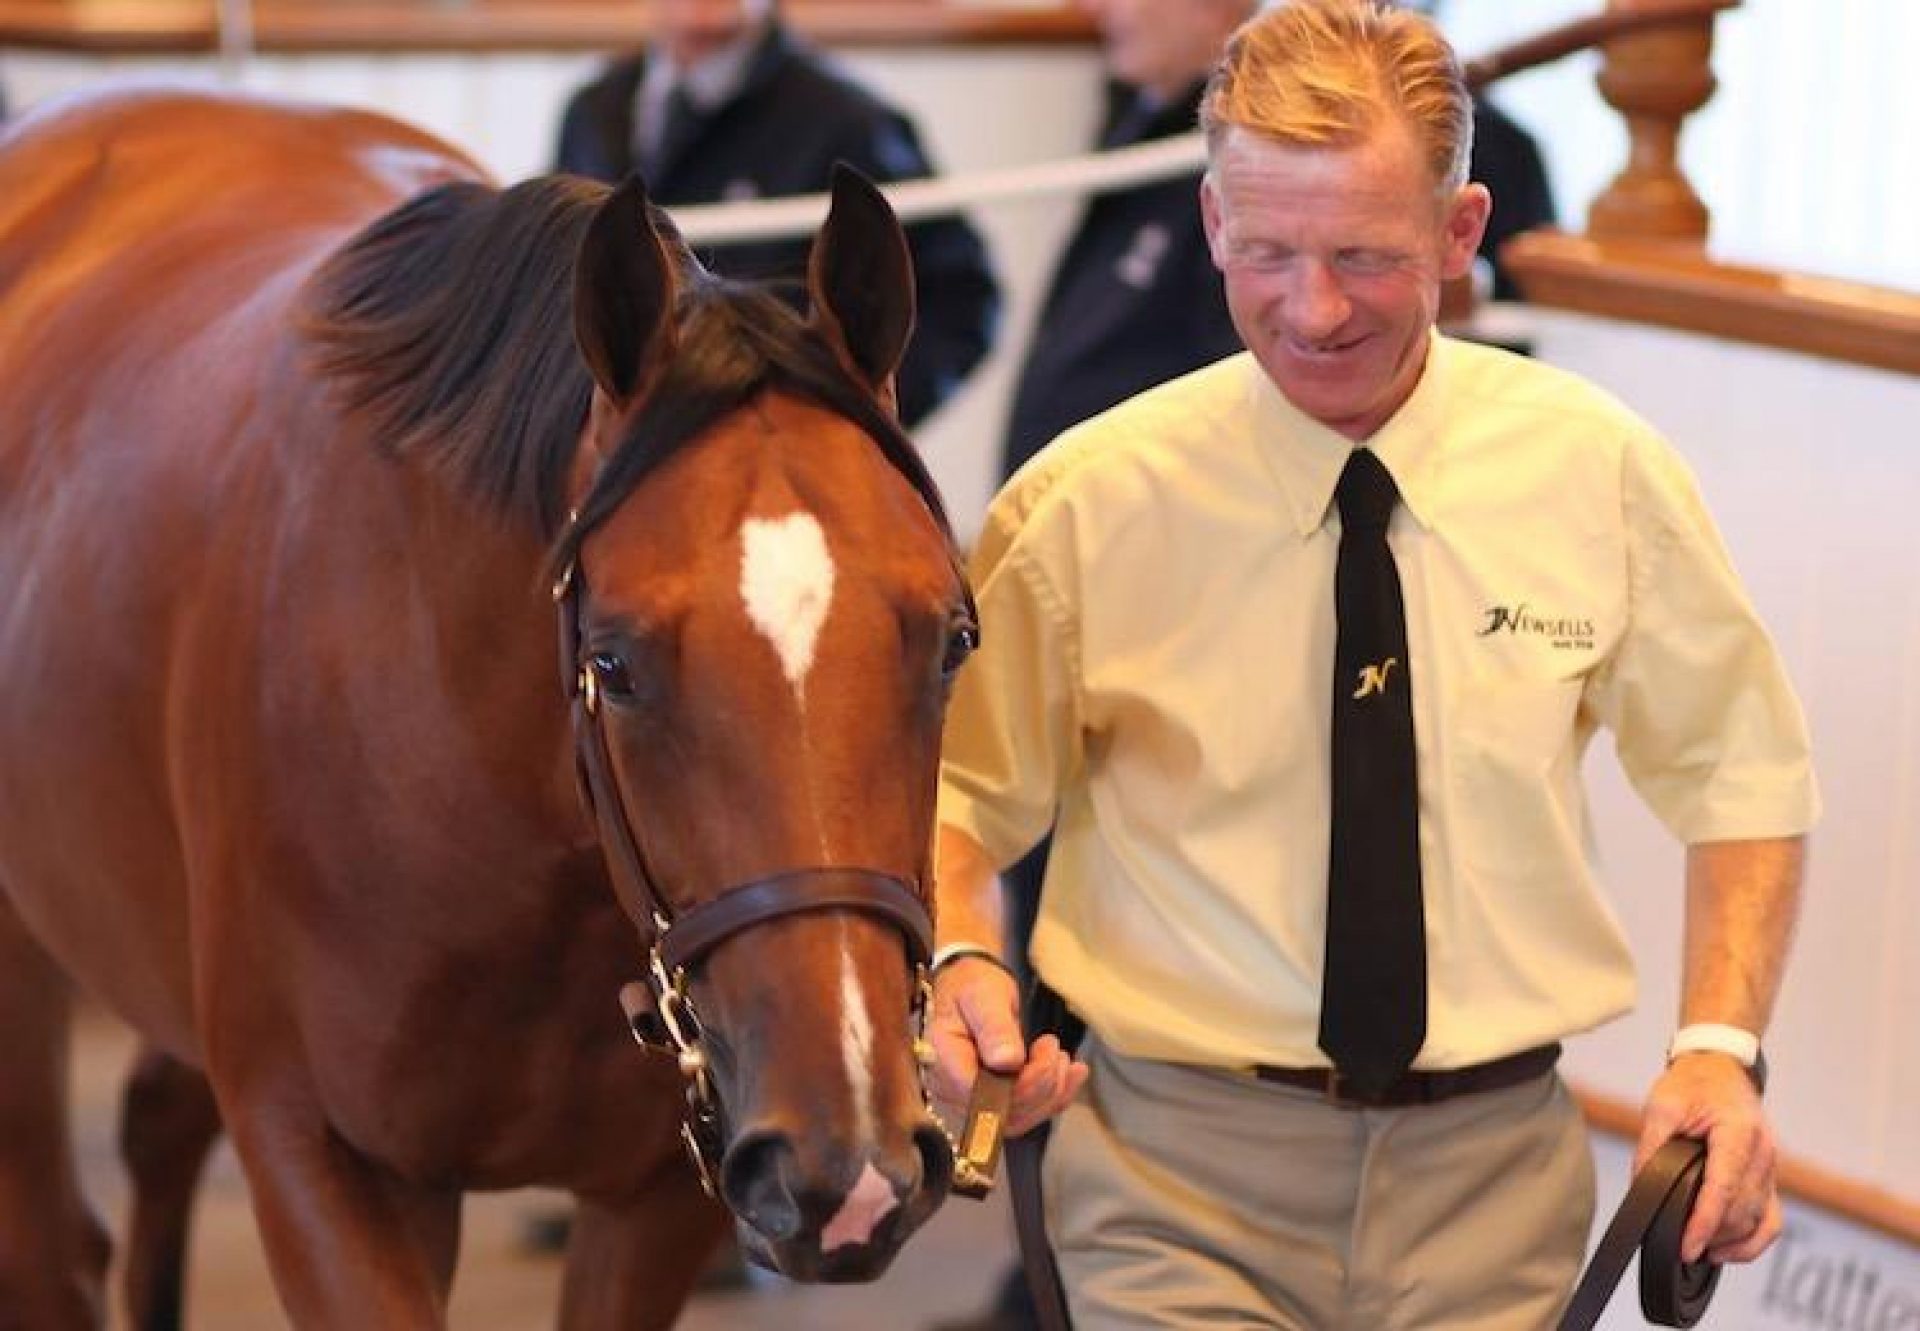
(1307, 457)
(712, 82)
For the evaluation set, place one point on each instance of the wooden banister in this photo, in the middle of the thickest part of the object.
(1656, 79)
(1658, 71)
(1673, 286)
(192, 26)
(1583, 34)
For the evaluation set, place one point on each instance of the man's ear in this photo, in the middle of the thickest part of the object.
(1212, 219)
(1464, 226)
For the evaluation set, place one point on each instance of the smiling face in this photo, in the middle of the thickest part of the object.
(1333, 257)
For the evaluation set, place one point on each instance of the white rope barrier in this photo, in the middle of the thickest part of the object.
(939, 196)
(236, 37)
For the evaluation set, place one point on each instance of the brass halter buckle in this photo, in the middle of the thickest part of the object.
(675, 1031)
(976, 1154)
(976, 1149)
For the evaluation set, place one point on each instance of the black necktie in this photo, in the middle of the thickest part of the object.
(1373, 1000)
(664, 143)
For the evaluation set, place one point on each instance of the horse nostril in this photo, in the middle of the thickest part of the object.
(936, 1158)
(753, 1181)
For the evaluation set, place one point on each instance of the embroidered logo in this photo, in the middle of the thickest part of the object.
(1141, 263)
(1566, 632)
(1373, 678)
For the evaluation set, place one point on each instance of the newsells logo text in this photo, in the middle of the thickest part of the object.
(1565, 631)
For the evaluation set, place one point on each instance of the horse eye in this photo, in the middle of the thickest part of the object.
(616, 681)
(962, 638)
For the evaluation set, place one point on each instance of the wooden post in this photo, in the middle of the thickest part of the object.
(1655, 78)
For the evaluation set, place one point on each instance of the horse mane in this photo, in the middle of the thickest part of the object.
(448, 324)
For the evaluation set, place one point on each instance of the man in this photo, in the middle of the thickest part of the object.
(1282, 1116)
(1134, 300)
(726, 106)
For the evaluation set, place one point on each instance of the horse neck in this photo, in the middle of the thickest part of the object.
(460, 594)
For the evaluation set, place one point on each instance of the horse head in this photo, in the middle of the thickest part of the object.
(763, 611)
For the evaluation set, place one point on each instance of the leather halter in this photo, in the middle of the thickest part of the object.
(680, 943)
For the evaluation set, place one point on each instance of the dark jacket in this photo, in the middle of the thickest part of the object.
(792, 120)
(1135, 299)
(1507, 161)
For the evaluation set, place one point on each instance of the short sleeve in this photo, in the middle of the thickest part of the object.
(1707, 725)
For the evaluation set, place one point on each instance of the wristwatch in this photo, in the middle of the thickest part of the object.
(1709, 1037)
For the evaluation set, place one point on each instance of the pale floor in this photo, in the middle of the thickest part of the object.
(945, 1271)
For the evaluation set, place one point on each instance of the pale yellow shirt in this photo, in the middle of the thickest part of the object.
(1156, 605)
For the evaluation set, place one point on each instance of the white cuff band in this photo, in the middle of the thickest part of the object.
(1713, 1038)
(953, 952)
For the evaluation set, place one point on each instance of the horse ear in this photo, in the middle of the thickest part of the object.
(623, 289)
(861, 277)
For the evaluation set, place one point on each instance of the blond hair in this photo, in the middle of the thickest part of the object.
(1329, 72)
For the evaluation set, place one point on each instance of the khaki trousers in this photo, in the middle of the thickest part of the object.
(1183, 1197)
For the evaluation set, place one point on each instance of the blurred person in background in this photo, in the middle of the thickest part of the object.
(726, 105)
(1508, 161)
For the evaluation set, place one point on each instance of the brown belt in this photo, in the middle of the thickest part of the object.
(1419, 1088)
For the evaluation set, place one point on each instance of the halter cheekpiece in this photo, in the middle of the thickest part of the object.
(679, 943)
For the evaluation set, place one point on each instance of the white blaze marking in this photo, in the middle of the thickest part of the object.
(866, 1206)
(856, 1042)
(872, 1196)
(786, 582)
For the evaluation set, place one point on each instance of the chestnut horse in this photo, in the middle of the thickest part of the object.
(306, 427)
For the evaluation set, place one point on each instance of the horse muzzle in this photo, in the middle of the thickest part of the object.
(832, 1217)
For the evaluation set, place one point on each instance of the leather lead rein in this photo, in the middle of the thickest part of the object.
(1651, 1220)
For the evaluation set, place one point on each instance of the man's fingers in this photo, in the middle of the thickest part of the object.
(1735, 1195)
(975, 1024)
(1047, 1085)
(955, 1063)
(1735, 1215)
(1757, 1240)
(995, 1024)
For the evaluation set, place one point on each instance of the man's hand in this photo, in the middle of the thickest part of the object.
(976, 1020)
(1710, 1096)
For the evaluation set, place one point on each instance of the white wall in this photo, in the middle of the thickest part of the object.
(1811, 470)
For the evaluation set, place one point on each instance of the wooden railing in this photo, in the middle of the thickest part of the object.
(1658, 70)
(1644, 256)
(478, 25)
(1678, 286)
